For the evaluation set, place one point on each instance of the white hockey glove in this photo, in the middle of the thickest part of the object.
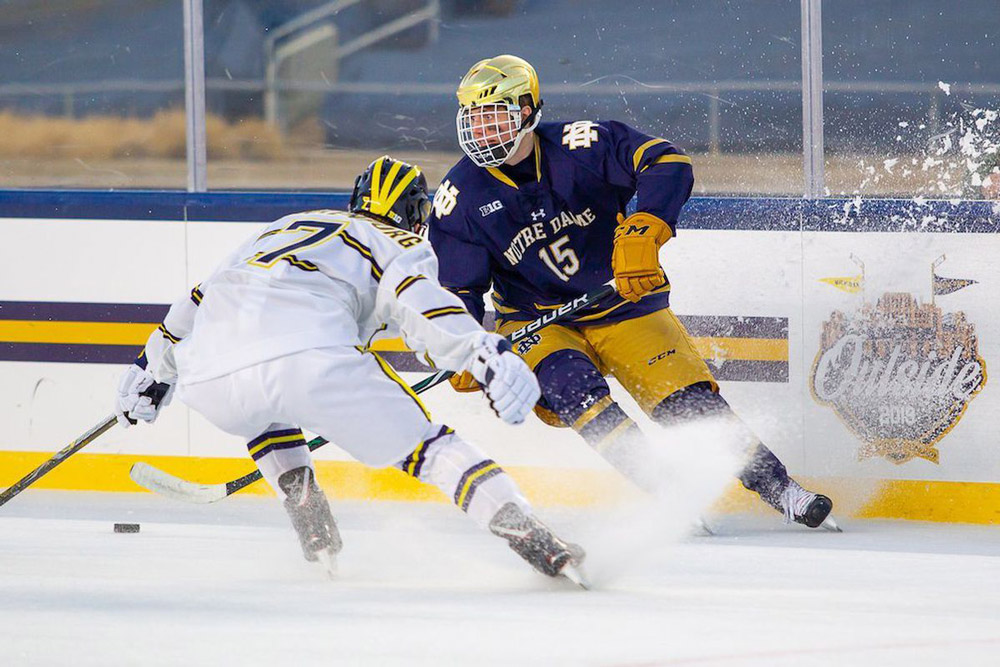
(140, 396)
(508, 382)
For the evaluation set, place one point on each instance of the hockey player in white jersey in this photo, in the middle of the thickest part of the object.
(275, 341)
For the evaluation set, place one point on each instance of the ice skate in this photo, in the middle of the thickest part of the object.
(309, 511)
(534, 542)
(805, 507)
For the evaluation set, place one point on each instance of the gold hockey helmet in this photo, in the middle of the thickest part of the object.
(490, 123)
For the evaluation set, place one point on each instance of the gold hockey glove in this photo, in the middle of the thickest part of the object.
(463, 382)
(635, 259)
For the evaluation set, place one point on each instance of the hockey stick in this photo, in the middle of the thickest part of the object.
(158, 481)
(58, 458)
(568, 308)
(155, 480)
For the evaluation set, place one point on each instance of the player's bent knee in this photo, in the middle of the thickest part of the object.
(474, 482)
(570, 385)
(696, 401)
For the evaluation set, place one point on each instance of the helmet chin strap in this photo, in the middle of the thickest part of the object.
(523, 132)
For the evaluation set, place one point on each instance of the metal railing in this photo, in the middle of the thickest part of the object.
(313, 27)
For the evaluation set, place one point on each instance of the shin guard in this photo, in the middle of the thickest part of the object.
(474, 482)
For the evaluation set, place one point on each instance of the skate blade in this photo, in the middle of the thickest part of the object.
(328, 561)
(574, 574)
(700, 527)
(830, 524)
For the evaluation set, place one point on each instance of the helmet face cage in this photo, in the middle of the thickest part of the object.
(489, 133)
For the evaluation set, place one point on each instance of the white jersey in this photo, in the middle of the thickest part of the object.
(313, 280)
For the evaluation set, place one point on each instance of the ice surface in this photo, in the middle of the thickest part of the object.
(419, 585)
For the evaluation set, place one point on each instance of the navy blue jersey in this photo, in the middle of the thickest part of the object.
(545, 239)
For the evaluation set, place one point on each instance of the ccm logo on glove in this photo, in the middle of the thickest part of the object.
(635, 258)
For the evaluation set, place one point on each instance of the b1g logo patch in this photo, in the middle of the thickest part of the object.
(492, 207)
(900, 374)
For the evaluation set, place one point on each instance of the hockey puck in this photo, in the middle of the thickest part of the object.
(126, 528)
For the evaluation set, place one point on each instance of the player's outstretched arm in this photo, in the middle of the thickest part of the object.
(146, 385)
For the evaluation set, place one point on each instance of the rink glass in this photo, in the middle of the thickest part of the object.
(301, 94)
(92, 95)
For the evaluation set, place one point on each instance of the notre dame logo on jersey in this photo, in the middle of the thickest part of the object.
(580, 134)
(528, 342)
(445, 199)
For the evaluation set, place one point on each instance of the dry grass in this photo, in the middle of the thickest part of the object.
(114, 138)
(110, 152)
(331, 169)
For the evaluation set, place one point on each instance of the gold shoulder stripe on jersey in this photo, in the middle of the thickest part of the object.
(641, 150)
(668, 159)
(441, 312)
(408, 282)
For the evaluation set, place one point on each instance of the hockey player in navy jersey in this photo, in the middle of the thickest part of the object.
(536, 211)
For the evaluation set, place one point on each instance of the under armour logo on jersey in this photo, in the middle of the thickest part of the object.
(580, 134)
(538, 215)
(445, 199)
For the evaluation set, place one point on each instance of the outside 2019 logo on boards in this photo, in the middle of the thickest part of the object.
(899, 374)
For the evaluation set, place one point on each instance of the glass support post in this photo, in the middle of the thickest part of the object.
(812, 98)
(194, 94)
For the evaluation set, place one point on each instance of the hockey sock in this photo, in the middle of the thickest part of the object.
(763, 472)
(474, 482)
(766, 475)
(576, 391)
(277, 450)
(618, 439)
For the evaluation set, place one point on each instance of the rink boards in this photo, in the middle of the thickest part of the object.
(855, 337)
